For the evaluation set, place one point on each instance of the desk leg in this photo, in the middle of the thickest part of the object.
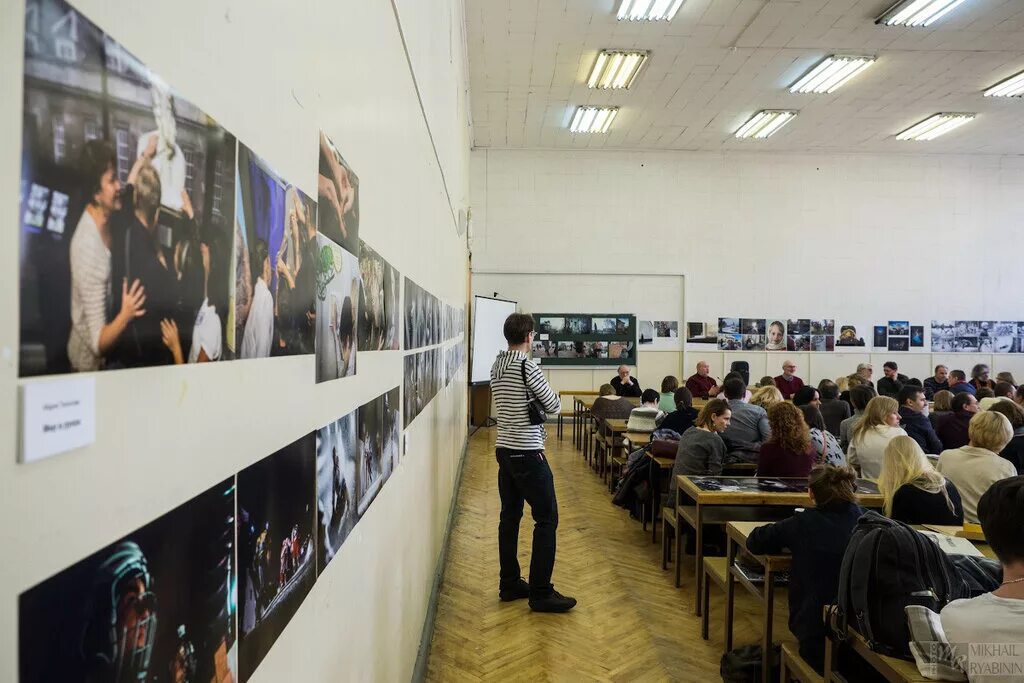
(706, 609)
(730, 591)
(829, 658)
(577, 423)
(768, 594)
(679, 537)
(699, 552)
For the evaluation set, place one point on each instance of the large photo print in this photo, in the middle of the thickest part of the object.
(337, 310)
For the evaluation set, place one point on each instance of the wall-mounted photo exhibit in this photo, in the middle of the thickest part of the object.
(881, 334)
(336, 458)
(658, 333)
(156, 605)
(126, 203)
(337, 187)
(275, 264)
(372, 470)
(378, 302)
(973, 336)
(422, 381)
(337, 310)
(276, 546)
(585, 339)
(392, 427)
(852, 334)
(701, 333)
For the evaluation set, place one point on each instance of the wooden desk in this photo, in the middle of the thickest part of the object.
(891, 668)
(958, 532)
(688, 490)
(636, 439)
(573, 394)
(616, 425)
(736, 535)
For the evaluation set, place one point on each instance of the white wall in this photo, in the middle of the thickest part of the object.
(863, 238)
(272, 74)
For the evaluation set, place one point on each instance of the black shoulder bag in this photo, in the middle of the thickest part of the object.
(534, 409)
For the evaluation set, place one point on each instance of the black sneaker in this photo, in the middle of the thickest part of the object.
(516, 591)
(556, 602)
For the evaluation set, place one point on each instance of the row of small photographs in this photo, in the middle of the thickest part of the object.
(426, 373)
(972, 336)
(583, 349)
(428, 320)
(579, 324)
(756, 342)
(658, 329)
(756, 334)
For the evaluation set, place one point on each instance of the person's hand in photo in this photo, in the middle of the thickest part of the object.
(172, 340)
(328, 192)
(133, 301)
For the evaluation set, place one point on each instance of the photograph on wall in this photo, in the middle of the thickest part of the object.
(730, 342)
(1006, 337)
(775, 335)
(986, 335)
(917, 336)
(578, 324)
(752, 326)
(393, 423)
(645, 332)
(661, 333)
(666, 329)
(596, 349)
(881, 332)
(899, 343)
(156, 605)
(728, 326)
(422, 376)
(337, 191)
(610, 325)
(798, 342)
(337, 514)
(551, 326)
(798, 326)
(899, 328)
(126, 203)
(701, 333)
(275, 263)
(822, 342)
(277, 546)
(943, 335)
(851, 335)
(620, 351)
(826, 327)
(422, 317)
(378, 302)
(337, 300)
(371, 468)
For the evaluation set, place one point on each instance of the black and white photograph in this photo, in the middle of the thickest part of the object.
(422, 317)
(127, 199)
(337, 310)
(422, 375)
(372, 469)
(754, 326)
(551, 326)
(275, 264)
(728, 326)
(337, 512)
(606, 326)
(378, 302)
(646, 332)
(337, 190)
(798, 326)
(667, 329)
(276, 546)
(943, 335)
(701, 333)
(544, 349)
(578, 324)
(393, 425)
(156, 605)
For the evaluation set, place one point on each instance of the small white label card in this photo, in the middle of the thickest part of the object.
(57, 416)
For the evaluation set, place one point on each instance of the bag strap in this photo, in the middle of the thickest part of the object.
(526, 386)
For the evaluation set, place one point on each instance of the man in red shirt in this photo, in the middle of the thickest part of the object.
(702, 385)
(787, 382)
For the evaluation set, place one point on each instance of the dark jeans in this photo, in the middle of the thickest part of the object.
(526, 476)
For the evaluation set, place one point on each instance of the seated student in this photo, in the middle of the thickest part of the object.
(893, 381)
(1014, 451)
(701, 384)
(913, 491)
(680, 419)
(1018, 396)
(914, 418)
(647, 416)
(1002, 392)
(701, 450)
(980, 378)
(958, 383)
(817, 537)
(609, 405)
(976, 466)
(938, 382)
(1008, 378)
(872, 434)
(860, 395)
(853, 381)
(766, 396)
(788, 383)
(942, 402)
(624, 384)
(787, 452)
(807, 396)
(766, 381)
(826, 447)
(667, 401)
(832, 409)
(996, 617)
(953, 430)
(983, 393)
(747, 394)
(748, 427)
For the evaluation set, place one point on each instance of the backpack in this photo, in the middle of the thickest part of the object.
(744, 664)
(888, 566)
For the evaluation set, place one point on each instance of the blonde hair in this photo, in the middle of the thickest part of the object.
(766, 397)
(843, 383)
(875, 413)
(943, 400)
(905, 463)
(991, 431)
(855, 380)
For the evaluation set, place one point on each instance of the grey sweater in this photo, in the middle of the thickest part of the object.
(700, 454)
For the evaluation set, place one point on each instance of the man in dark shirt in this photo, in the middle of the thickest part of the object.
(953, 430)
(913, 420)
(625, 385)
(893, 381)
(939, 382)
(958, 383)
(702, 384)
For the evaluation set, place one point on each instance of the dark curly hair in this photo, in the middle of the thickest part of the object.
(789, 429)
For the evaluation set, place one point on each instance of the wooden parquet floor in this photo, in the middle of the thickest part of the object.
(631, 623)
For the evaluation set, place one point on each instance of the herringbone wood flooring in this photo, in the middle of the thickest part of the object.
(631, 623)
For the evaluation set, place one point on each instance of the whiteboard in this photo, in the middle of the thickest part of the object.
(488, 335)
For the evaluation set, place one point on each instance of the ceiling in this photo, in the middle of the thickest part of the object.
(719, 61)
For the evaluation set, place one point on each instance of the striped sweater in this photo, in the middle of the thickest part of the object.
(510, 397)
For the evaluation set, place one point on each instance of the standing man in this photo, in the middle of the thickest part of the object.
(701, 384)
(625, 385)
(523, 471)
(914, 418)
(893, 381)
(788, 383)
(940, 382)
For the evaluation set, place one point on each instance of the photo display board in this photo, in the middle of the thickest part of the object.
(581, 339)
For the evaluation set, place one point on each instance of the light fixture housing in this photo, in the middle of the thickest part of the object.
(589, 119)
(765, 123)
(917, 13)
(1011, 87)
(648, 10)
(831, 73)
(934, 126)
(615, 69)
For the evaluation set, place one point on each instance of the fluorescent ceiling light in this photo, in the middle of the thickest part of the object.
(765, 123)
(831, 73)
(616, 68)
(649, 10)
(934, 126)
(917, 12)
(1011, 87)
(593, 119)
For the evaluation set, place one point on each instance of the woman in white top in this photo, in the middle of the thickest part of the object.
(975, 467)
(872, 434)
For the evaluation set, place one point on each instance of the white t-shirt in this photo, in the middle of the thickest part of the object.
(90, 294)
(206, 334)
(989, 631)
(259, 326)
(868, 451)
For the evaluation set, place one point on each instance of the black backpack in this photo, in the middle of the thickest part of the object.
(888, 566)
